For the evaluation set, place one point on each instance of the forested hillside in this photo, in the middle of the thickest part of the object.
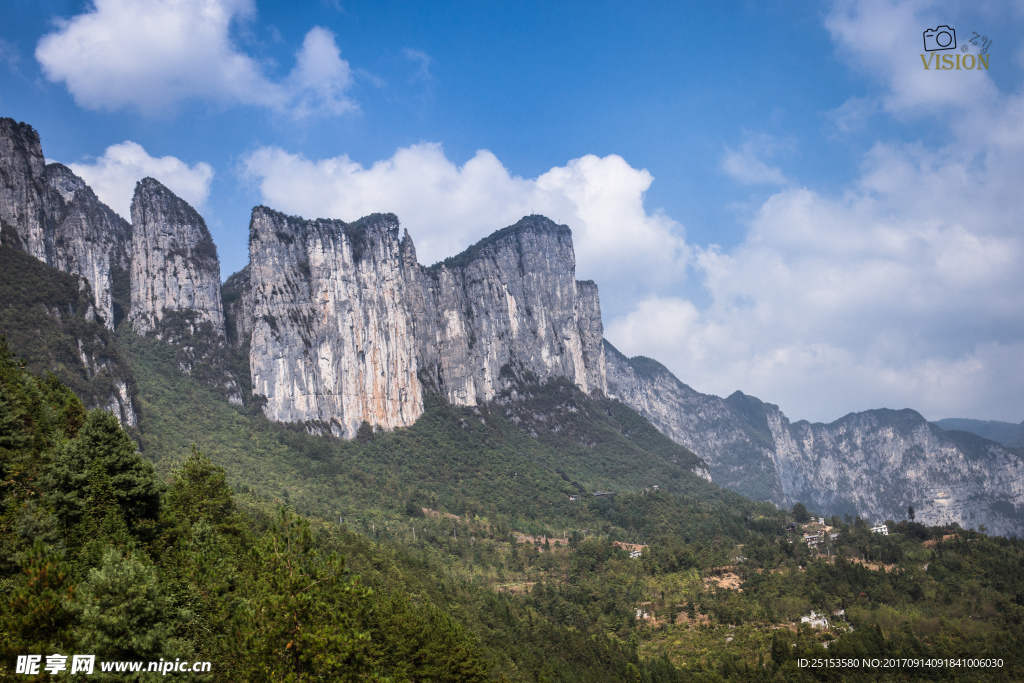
(447, 567)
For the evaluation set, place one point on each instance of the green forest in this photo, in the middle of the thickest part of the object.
(468, 547)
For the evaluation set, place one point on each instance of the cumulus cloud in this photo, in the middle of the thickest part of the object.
(883, 38)
(447, 207)
(903, 290)
(154, 54)
(113, 176)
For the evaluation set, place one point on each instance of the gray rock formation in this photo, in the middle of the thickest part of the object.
(174, 266)
(49, 212)
(344, 324)
(508, 308)
(331, 340)
(873, 464)
(23, 191)
(175, 285)
(90, 240)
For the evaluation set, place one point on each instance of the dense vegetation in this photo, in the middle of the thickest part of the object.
(450, 550)
(48, 316)
(100, 556)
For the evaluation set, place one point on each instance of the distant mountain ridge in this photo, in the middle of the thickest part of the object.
(339, 327)
(874, 464)
(1007, 433)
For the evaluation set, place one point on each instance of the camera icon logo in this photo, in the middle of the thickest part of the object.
(939, 38)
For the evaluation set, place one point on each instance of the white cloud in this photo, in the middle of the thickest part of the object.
(154, 54)
(883, 38)
(113, 176)
(447, 207)
(853, 114)
(904, 290)
(744, 167)
(423, 60)
(321, 76)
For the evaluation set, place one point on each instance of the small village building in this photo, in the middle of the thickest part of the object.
(815, 620)
(880, 529)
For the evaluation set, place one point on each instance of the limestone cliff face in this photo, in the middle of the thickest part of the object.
(330, 336)
(49, 212)
(23, 191)
(344, 324)
(90, 240)
(873, 464)
(506, 309)
(175, 285)
(175, 271)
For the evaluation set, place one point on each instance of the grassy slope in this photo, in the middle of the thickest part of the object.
(467, 462)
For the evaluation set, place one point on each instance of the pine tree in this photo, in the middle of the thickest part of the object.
(123, 613)
(101, 463)
(35, 616)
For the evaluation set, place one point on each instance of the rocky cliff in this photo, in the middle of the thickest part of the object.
(23, 191)
(49, 212)
(873, 464)
(174, 266)
(175, 284)
(345, 326)
(330, 336)
(508, 308)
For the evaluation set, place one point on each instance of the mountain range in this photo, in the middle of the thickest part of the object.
(336, 326)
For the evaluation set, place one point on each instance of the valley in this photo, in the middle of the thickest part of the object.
(341, 464)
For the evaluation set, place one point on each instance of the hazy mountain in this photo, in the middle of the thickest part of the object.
(1007, 433)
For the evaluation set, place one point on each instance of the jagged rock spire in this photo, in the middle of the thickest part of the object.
(175, 271)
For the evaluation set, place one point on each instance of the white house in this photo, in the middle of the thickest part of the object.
(815, 620)
(880, 529)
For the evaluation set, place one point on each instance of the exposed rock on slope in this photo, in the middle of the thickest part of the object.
(49, 212)
(174, 266)
(90, 240)
(48, 319)
(508, 308)
(23, 191)
(380, 324)
(331, 338)
(873, 464)
(175, 284)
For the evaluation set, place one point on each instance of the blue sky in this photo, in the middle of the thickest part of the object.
(776, 198)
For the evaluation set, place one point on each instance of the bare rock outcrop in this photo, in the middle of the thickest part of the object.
(331, 339)
(873, 464)
(49, 212)
(175, 272)
(344, 326)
